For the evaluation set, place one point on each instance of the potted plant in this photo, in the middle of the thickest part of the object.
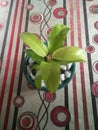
(45, 61)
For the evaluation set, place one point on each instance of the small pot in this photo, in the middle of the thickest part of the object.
(62, 85)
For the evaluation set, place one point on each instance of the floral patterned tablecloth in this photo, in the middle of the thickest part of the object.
(76, 106)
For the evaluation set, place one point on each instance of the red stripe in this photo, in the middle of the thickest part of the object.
(8, 58)
(86, 124)
(76, 119)
(75, 104)
(14, 70)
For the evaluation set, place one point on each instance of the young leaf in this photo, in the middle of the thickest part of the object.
(34, 43)
(69, 54)
(57, 37)
(34, 56)
(51, 74)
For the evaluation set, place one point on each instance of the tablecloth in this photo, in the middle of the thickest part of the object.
(74, 107)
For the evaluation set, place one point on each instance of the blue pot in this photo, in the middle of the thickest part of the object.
(64, 84)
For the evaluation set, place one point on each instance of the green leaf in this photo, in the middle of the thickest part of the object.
(57, 37)
(34, 56)
(69, 54)
(38, 79)
(34, 43)
(50, 74)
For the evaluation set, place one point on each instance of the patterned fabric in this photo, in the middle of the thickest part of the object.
(76, 106)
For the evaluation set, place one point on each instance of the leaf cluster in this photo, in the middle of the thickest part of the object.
(50, 57)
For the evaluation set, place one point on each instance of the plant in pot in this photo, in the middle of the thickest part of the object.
(47, 63)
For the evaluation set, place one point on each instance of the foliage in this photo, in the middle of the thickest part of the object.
(50, 57)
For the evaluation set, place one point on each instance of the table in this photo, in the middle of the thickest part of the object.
(76, 106)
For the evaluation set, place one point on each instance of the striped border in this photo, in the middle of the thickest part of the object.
(8, 57)
(90, 66)
(8, 62)
(75, 101)
(15, 60)
(6, 33)
(86, 124)
(20, 75)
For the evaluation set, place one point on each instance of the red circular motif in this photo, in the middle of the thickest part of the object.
(54, 116)
(95, 39)
(18, 101)
(60, 12)
(48, 31)
(1, 26)
(52, 2)
(29, 7)
(4, 3)
(36, 18)
(90, 49)
(49, 97)
(94, 9)
(95, 66)
(27, 121)
(95, 88)
(96, 25)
